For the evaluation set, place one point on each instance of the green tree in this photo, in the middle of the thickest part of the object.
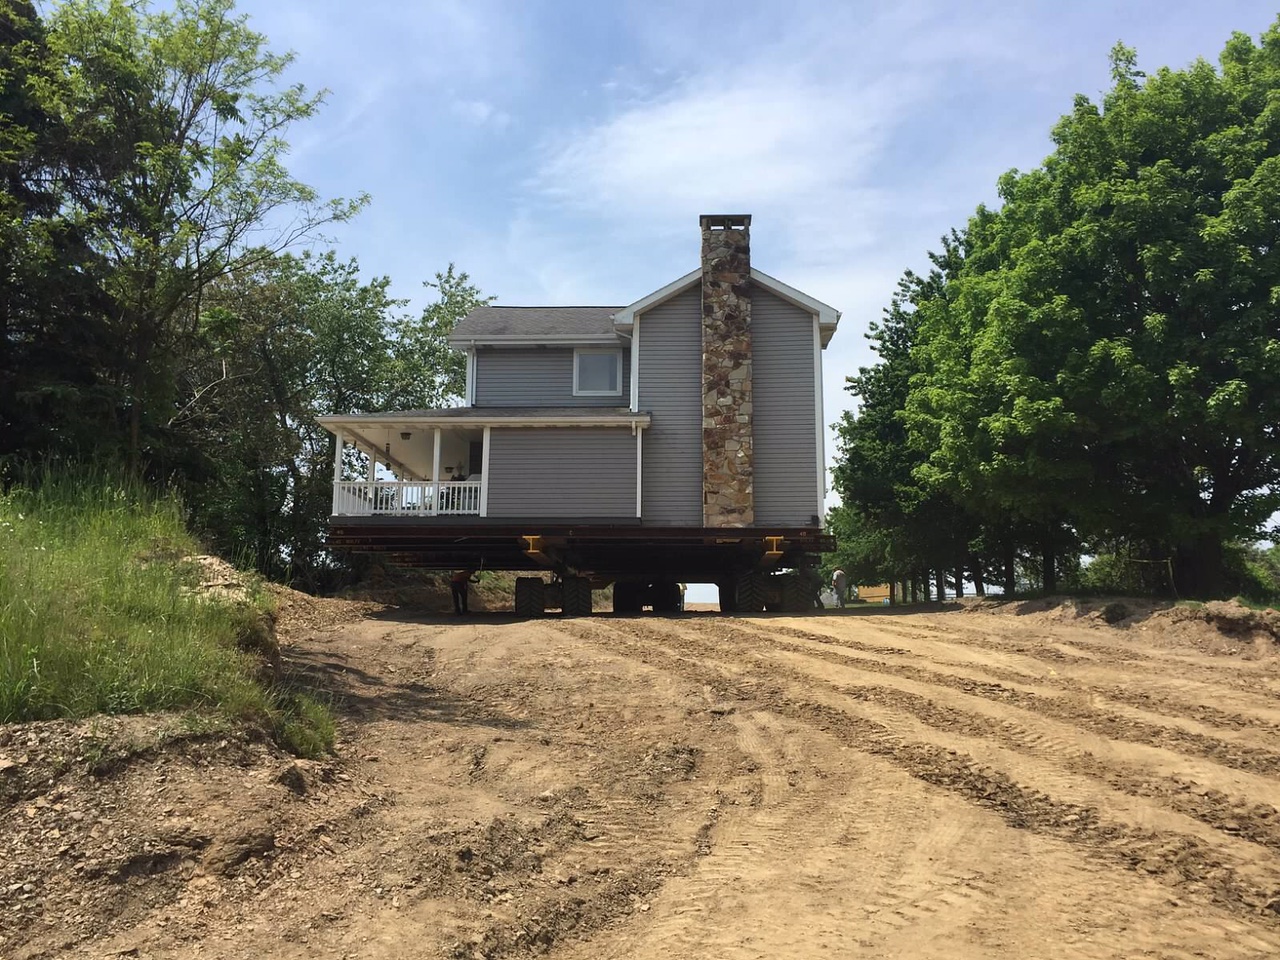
(1121, 377)
(426, 372)
(906, 523)
(284, 340)
(175, 127)
(51, 326)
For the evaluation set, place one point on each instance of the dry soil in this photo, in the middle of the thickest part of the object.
(1014, 781)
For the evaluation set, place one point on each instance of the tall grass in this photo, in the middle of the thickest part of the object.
(98, 615)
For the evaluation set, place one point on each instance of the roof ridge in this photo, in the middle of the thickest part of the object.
(551, 306)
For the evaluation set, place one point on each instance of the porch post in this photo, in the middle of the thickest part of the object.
(484, 475)
(371, 474)
(339, 445)
(435, 477)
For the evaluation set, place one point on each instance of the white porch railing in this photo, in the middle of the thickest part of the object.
(406, 498)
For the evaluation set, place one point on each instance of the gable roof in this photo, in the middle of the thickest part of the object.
(828, 316)
(519, 326)
(547, 324)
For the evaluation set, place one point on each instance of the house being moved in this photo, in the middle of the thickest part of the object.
(676, 439)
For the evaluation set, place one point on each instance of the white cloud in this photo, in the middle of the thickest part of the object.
(766, 139)
(480, 113)
(793, 119)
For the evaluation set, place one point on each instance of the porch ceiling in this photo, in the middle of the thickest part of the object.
(417, 453)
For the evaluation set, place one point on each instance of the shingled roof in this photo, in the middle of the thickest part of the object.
(491, 321)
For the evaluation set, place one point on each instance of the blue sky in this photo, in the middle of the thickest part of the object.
(561, 152)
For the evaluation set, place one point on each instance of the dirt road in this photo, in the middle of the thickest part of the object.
(946, 785)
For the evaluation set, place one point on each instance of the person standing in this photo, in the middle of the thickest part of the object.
(840, 586)
(458, 586)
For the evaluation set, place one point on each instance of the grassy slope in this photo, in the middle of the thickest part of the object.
(98, 615)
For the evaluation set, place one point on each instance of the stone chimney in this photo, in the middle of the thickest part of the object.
(728, 464)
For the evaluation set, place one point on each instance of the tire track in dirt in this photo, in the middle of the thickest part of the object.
(1185, 863)
(1048, 648)
(1155, 703)
(797, 830)
(1208, 685)
(1108, 724)
(1234, 816)
(1138, 699)
(738, 837)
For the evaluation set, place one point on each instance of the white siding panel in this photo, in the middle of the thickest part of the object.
(671, 391)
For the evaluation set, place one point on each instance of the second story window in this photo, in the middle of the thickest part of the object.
(597, 373)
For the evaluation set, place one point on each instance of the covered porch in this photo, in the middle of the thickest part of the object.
(539, 461)
(408, 470)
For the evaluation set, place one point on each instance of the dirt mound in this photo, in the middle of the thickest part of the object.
(219, 579)
(1221, 628)
(299, 613)
(1226, 628)
(1051, 610)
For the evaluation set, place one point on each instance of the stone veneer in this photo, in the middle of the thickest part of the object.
(728, 464)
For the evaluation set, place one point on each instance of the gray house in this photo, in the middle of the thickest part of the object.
(695, 408)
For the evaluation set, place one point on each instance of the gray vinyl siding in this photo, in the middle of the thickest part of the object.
(670, 336)
(537, 377)
(785, 413)
(562, 473)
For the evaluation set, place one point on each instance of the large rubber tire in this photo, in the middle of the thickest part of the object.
(529, 597)
(752, 593)
(627, 597)
(576, 600)
(666, 596)
(728, 596)
(796, 597)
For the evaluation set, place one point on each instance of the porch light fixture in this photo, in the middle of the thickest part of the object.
(405, 435)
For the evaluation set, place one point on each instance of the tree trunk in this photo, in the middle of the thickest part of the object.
(940, 578)
(1010, 569)
(975, 567)
(1048, 561)
(1198, 569)
(959, 580)
(893, 593)
(915, 588)
(134, 460)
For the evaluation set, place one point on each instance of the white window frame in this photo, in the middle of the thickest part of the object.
(617, 357)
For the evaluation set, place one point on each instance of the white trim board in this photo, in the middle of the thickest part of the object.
(828, 316)
(820, 427)
(624, 318)
(355, 425)
(532, 340)
(484, 475)
(635, 364)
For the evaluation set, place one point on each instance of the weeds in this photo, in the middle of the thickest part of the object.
(98, 615)
(305, 726)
